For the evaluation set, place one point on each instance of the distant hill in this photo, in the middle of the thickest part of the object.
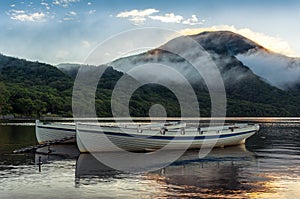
(33, 88)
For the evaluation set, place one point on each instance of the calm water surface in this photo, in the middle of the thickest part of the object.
(268, 166)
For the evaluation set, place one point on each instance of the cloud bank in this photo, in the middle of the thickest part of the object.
(280, 71)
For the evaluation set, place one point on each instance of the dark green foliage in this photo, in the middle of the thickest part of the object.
(5, 107)
(33, 88)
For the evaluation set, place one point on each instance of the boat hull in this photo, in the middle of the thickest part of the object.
(50, 132)
(91, 139)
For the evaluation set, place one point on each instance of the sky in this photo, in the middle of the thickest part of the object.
(67, 31)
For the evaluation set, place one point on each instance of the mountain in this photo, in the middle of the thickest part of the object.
(33, 88)
(221, 47)
(243, 86)
(228, 50)
(225, 42)
(276, 69)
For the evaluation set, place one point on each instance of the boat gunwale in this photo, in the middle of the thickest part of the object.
(168, 137)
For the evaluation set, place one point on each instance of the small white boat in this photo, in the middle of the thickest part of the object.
(95, 138)
(54, 131)
(46, 132)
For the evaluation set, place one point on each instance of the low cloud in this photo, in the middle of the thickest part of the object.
(86, 44)
(61, 55)
(71, 13)
(69, 16)
(64, 3)
(275, 44)
(92, 12)
(46, 5)
(168, 18)
(137, 13)
(193, 21)
(137, 20)
(21, 15)
(139, 17)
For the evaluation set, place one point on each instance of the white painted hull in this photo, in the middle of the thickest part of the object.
(91, 138)
(53, 131)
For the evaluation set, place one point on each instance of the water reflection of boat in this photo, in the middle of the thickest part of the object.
(222, 172)
(94, 138)
(89, 165)
(237, 153)
(56, 152)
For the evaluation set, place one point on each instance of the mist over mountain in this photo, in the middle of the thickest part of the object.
(278, 70)
(233, 54)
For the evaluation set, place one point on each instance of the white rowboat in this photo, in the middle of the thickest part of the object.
(95, 138)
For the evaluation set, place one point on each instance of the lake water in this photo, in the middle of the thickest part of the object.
(268, 166)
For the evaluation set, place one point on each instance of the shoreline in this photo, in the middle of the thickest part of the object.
(157, 119)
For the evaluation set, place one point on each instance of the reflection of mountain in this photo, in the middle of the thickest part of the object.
(257, 81)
